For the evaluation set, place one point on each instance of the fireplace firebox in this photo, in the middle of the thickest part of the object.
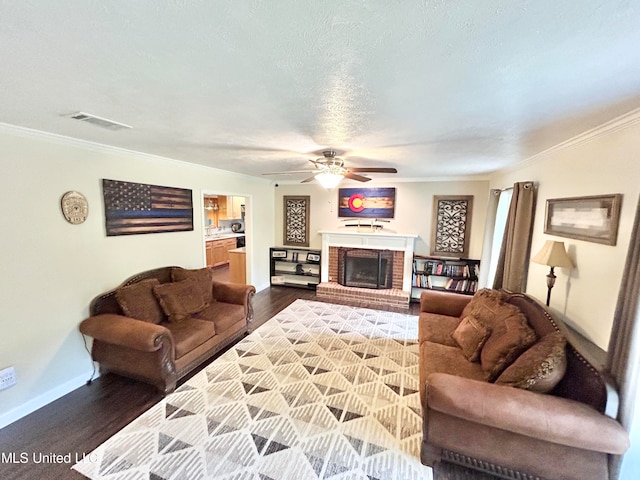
(365, 268)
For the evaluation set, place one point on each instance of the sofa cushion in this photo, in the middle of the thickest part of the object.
(138, 301)
(471, 335)
(222, 314)
(510, 333)
(190, 334)
(202, 276)
(485, 298)
(504, 345)
(437, 358)
(180, 299)
(541, 367)
(433, 327)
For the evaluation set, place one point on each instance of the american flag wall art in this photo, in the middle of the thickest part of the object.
(136, 208)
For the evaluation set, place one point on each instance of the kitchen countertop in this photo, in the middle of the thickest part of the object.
(239, 250)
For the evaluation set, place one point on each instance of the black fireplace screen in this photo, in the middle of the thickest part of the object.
(365, 268)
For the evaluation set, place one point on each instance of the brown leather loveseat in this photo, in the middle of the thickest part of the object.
(505, 390)
(159, 325)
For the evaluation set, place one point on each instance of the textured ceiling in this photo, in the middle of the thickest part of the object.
(433, 88)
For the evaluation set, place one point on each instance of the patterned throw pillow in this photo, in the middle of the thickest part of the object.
(203, 277)
(138, 301)
(471, 335)
(541, 367)
(180, 299)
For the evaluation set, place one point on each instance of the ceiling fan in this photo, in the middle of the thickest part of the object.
(330, 170)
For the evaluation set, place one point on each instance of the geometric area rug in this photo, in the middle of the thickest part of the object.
(320, 391)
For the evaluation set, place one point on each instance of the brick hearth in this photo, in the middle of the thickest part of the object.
(364, 297)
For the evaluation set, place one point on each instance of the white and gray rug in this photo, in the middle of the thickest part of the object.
(319, 391)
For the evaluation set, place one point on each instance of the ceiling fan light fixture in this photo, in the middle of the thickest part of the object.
(329, 180)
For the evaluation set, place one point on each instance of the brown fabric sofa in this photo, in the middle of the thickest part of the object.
(159, 325)
(497, 399)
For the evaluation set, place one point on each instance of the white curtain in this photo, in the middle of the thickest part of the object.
(497, 213)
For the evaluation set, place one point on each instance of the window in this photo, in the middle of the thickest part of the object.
(498, 232)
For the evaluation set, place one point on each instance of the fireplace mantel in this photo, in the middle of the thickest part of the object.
(373, 240)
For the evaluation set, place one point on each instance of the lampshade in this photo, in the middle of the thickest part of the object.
(329, 180)
(553, 254)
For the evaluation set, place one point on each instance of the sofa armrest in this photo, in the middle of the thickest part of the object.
(537, 415)
(443, 303)
(233, 292)
(126, 332)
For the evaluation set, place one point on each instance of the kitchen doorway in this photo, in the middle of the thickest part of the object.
(225, 217)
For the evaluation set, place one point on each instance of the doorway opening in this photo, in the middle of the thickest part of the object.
(225, 217)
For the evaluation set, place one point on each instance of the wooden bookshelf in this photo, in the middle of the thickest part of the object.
(459, 275)
(295, 267)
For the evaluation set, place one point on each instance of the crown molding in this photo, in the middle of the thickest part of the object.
(103, 148)
(615, 125)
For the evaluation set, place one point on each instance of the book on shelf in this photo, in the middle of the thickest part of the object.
(462, 285)
(449, 269)
(453, 274)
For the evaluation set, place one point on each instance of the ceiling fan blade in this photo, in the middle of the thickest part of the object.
(307, 180)
(290, 172)
(317, 163)
(373, 170)
(359, 178)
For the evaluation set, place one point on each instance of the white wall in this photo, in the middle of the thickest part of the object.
(51, 269)
(602, 161)
(413, 213)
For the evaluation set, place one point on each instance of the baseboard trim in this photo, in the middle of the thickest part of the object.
(45, 398)
(264, 286)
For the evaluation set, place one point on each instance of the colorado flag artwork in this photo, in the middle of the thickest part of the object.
(366, 202)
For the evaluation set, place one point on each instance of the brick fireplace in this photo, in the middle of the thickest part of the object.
(337, 264)
(395, 249)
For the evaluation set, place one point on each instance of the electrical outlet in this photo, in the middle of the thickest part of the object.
(7, 378)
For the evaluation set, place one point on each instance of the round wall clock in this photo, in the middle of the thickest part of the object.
(75, 207)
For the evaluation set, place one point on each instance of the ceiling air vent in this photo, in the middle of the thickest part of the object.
(99, 121)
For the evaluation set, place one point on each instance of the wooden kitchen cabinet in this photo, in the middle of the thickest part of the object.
(238, 265)
(218, 251)
(209, 250)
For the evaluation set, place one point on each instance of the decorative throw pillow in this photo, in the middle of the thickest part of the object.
(471, 335)
(138, 301)
(203, 277)
(484, 299)
(541, 367)
(506, 344)
(180, 299)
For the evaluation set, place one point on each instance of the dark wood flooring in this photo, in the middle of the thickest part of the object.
(80, 421)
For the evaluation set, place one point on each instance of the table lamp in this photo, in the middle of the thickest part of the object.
(553, 255)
